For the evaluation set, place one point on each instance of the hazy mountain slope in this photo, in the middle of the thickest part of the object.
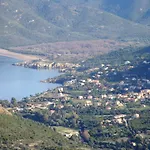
(16, 23)
(27, 22)
(86, 17)
(146, 18)
(19, 25)
(136, 10)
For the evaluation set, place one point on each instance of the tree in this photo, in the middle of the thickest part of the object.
(5, 103)
(13, 101)
(85, 135)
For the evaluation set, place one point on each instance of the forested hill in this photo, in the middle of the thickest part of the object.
(27, 22)
(19, 133)
(138, 59)
(135, 55)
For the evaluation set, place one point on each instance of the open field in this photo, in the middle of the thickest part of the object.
(64, 131)
(71, 51)
(17, 56)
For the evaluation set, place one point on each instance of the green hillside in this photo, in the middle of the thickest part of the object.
(135, 10)
(16, 133)
(28, 22)
(20, 25)
(137, 57)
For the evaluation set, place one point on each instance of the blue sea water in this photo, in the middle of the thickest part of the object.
(22, 82)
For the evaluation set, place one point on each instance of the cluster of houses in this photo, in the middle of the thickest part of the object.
(119, 119)
(33, 106)
(111, 99)
(107, 100)
(43, 64)
(116, 100)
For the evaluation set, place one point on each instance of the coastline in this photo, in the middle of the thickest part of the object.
(23, 57)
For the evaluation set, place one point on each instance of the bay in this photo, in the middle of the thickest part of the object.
(22, 82)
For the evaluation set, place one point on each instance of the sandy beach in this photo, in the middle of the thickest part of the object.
(24, 57)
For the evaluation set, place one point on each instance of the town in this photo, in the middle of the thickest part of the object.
(109, 99)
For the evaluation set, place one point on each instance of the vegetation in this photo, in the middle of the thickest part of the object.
(111, 119)
(143, 123)
(137, 11)
(118, 57)
(92, 106)
(105, 102)
(17, 132)
(40, 21)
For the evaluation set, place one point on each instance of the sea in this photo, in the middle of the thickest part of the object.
(20, 82)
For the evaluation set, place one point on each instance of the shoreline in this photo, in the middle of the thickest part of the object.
(18, 56)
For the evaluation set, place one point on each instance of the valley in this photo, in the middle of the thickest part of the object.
(104, 102)
(85, 68)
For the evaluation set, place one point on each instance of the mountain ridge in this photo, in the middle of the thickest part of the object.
(45, 21)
